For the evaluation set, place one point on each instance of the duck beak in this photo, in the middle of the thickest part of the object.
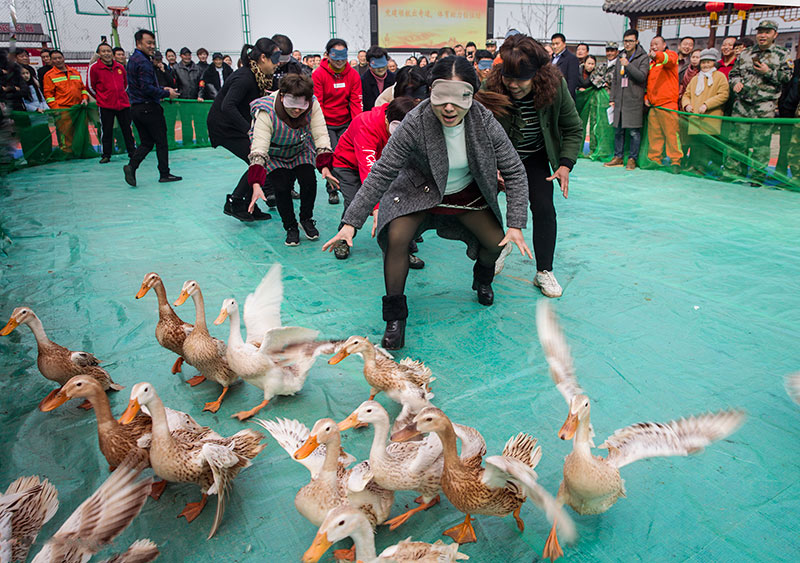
(10, 326)
(306, 450)
(349, 422)
(570, 427)
(223, 314)
(130, 413)
(142, 291)
(318, 548)
(55, 399)
(181, 299)
(340, 355)
(406, 434)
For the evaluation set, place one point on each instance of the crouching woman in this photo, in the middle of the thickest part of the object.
(439, 171)
(288, 136)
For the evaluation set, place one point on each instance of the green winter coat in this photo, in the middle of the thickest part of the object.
(561, 127)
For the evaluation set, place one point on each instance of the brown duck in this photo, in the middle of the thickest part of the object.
(55, 362)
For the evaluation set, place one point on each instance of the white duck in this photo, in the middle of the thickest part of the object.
(345, 521)
(256, 359)
(332, 484)
(592, 484)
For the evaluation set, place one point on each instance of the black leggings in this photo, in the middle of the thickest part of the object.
(402, 230)
(282, 180)
(540, 192)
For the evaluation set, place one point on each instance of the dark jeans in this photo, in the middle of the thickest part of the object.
(540, 193)
(149, 121)
(240, 148)
(619, 142)
(335, 133)
(349, 184)
(281, 180)
(123, 117)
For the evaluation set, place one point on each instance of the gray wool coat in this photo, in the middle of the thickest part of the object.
(411, 175)
(629, 101)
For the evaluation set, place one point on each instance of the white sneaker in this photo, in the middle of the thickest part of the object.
(547, 282)
(501, 260)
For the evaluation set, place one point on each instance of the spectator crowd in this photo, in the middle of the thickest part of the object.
(647, 87)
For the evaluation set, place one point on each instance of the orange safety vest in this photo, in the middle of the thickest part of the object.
(63, 89)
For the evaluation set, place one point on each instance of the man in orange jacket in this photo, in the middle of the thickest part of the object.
(63, 88)
(662, 90)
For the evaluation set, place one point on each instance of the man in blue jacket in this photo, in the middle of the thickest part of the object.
(145, 95)
(566, 62)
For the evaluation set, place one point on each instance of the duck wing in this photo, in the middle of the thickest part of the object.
(262, 308)
(291, 434)
(793, 386)
(473, 446)
(277, 339)
(100, 518)
(83, 359)
(500, 469)
(140, 551)
(678, 437)
(27, 505)
(556, 351)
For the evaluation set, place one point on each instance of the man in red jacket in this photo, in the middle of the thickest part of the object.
(108, 82)
(662, 90)
(337, 87)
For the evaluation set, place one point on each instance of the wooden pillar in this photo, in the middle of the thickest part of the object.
(660, 27)
(712, 36)
(743, 32)
(634, 22)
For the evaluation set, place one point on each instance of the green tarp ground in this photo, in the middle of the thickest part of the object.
(680, 296)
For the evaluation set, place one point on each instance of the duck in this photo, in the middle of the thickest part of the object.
(382, 372)
(100, 518)
(27, 505)
(55, 362)
(497, 490)
(592, 484)
(345, 520)
(252, 359)
(205, 459)
(118, 441)
(404, 466)
(203, 351)
(171, 331)
(331, 484)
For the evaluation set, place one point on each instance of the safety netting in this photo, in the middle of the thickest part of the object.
(731, 149)
(680, 297)
(65, 134)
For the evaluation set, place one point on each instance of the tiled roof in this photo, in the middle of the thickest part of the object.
(651, 6)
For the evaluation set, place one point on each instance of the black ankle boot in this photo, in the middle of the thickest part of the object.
(237, 207)
(395, 313)
(482, 277)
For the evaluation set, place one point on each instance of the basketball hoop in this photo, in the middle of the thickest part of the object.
(118, 16)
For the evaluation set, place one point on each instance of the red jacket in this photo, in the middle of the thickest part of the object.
(108, 85)
(663, 85)
(363, 142)
(339, 94)
(725, 69)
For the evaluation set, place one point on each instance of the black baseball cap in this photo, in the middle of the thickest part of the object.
(185, 51)
(217, 55)
(158, 55)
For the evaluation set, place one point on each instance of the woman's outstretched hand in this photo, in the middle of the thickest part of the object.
(346, 234)
(515, 236)
(258, 193)
(330, 178)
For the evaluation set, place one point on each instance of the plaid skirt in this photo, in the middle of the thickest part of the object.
(468, 199)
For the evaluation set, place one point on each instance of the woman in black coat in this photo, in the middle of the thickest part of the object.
(229, 117)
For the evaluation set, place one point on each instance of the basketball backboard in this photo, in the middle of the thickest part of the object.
(136, 8)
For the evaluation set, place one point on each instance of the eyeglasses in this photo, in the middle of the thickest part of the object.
(629, 40)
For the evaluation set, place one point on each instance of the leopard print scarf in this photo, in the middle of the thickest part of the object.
(264, 81)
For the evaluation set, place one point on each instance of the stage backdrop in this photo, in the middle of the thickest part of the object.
(430, 24)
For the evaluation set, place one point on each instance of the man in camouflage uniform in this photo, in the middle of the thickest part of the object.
(604, 75)
(756, 81)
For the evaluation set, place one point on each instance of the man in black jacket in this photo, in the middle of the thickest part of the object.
(45, 55)
(566, 62)
(214, 77)
(377, 78)
(288, 64)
